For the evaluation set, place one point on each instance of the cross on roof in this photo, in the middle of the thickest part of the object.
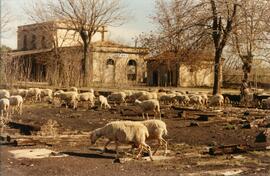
(103, 30)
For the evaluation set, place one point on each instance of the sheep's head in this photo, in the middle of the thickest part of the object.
(137, 102)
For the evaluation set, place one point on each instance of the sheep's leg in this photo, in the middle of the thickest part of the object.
(147, 116)
(148, 149)
(143, 115)
(21, 108)
(166, 146)
(116, 149)
(105, 146)
(140, 151)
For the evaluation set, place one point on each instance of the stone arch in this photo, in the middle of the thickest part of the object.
(109, 71)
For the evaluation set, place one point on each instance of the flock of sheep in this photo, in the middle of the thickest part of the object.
(147, 101)
(130, 132)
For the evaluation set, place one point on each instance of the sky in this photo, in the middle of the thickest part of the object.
(139, 21)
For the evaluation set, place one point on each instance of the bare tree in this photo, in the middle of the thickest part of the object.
(5, 18)
(251, 36)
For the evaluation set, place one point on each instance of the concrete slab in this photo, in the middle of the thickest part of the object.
(36, 153)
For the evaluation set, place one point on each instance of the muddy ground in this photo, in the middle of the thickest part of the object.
(188, 145)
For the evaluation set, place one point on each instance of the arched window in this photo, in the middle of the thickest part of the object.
(25, 42)
(43, 42)
(132, 70)
(110, 62)
(33, 42)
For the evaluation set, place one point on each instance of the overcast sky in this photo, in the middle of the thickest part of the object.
(140, 10)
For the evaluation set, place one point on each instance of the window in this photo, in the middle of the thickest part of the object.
(132, 70)
(24, 42)
(43, 42)
(110, 62)
(33, 42)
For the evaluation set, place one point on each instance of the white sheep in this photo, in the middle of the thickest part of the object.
(196, 100)
(34, 92)
(182, 99)
(148, 96)
(204, 98)
(103, 102)
(157, 129)
(216, 100)
(16, 101)
(123, 132)
(4, 93)
(118, 97)
(4, 107)
(68, 98)
(21, 92)
(149, 106)
(87, 96)
(74, 89)
(47, 93)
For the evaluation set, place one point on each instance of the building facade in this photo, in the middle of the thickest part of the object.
(41, 45)
(168, 71)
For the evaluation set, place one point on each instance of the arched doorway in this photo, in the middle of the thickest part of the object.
(109, 71)
(132, 70)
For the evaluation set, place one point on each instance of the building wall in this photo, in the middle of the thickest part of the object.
(172, 74)
(190, 77)
(113, 68)
(37, 36)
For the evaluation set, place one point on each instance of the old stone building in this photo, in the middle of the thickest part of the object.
(41, 45)
(166, 70)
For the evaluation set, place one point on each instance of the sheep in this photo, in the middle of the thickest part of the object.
(103, 102)
(74, 89)
(148, 106)
(34, 92)
(182, 99)
(135, 95)
(119, 97)
(157, 129)
(204, 98)
(125, 132)
(87, 96)
(195, 100)
(167, 98)
(216, 100)
(148, 96)
(4, 93)
(4, 107)
(21, 92)
(47, 93)
(266, 103)
(68, 98)
(16, 101)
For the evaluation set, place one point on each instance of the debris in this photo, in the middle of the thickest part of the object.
(228, 149)
(26, 129)
(49, 129)
(193, 124)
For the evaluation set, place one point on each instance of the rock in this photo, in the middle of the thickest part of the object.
(193, 124)
(263, 136)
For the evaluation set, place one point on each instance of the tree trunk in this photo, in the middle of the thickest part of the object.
(217, 72)
(86, 66)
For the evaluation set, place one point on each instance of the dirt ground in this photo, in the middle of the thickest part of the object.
(188, 145)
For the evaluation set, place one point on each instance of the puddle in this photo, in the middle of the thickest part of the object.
(36, 153)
